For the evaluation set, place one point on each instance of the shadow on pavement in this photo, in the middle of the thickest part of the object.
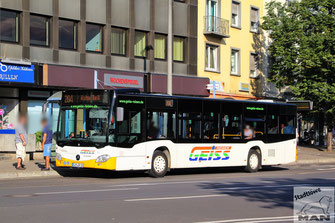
(39, 165)
(108, 174)
(269, 192)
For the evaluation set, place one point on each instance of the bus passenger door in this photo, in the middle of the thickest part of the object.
(130, 134)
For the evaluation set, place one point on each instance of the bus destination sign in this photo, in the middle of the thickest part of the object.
(85, 98)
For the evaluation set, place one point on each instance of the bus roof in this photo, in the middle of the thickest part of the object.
(134, 91)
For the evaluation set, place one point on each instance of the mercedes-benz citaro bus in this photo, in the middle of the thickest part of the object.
(124, 129)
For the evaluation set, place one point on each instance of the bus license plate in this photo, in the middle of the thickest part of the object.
(78, 165)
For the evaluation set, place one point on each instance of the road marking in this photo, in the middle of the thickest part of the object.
(177, 198)
(160, 183)
(257, 220)
(274, 220)
(84, 191)
(256, 187)
(266, 181)
(314, 172)
(265, 219)
(327, 169)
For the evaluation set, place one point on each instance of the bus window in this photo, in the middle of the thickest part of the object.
(210, 126)
(272, 125)
(254, 127)
(189, 126)
(129, 130)
(88, 125)
(155, 125)
(111, 132)
(231, 127)
(160, 125)
(287, 124)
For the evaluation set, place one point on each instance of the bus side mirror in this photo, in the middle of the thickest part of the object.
(119, 114)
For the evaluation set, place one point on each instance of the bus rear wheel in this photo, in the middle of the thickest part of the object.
(254, 161)
(159, 164)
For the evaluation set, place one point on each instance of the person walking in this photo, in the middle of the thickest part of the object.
(21, 141)
(46, 143)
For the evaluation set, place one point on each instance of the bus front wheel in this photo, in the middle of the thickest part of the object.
(159, 164)
(254, 161)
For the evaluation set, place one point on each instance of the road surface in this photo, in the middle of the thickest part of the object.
(201, 195)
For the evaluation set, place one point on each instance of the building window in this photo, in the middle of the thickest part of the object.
(178, 49)
(212, 8)
(39, 30)
(254, 65)
(94, 37)
(118, 41)
(211, 62)
(212, 15)
(235, 62)
(236, 14)
(160, 46)
(140, 44)
(254, 19)
(9, 26)
(67, 34)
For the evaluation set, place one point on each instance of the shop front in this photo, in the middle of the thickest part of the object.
(66, 77)
(16, 80)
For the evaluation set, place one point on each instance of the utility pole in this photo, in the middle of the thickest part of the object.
(170, 46)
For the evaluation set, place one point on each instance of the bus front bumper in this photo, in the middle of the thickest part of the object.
(110, 164)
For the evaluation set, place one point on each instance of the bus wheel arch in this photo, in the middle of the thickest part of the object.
(254, 159)
(161, 162)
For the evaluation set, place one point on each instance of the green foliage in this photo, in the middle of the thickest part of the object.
(302, 51)
(39, 137)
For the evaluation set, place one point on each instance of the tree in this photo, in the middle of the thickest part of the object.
(302, 50)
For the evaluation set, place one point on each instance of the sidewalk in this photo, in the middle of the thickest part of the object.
(33, 169)
(306, 155)
(315, 155)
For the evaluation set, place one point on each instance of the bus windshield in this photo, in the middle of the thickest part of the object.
(86, 125)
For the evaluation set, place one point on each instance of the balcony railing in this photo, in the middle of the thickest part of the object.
(216, 26)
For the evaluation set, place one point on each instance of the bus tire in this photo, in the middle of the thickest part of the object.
(254, 161)
(159, 164)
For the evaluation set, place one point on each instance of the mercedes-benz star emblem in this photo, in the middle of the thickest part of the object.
(77, 157)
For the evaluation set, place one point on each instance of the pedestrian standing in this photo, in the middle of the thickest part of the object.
(21, 141)
(46, 143)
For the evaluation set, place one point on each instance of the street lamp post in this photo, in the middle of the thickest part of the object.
(170, 42)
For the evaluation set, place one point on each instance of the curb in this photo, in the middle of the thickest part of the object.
(52, 173)
(318, 161)
(31, 174)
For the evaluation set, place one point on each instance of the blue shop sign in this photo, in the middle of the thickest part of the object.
(16, 73)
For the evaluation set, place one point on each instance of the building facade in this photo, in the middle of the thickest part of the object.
(230, 47)
(51, 45)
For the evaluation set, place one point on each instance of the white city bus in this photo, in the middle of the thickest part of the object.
(126, 130)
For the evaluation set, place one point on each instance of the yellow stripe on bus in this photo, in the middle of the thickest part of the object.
(108, 165)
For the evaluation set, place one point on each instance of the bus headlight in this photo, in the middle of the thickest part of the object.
(102, 158)
(58, 156)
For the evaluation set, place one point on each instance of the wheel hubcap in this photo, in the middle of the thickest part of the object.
(159, 164)
(253, 161)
